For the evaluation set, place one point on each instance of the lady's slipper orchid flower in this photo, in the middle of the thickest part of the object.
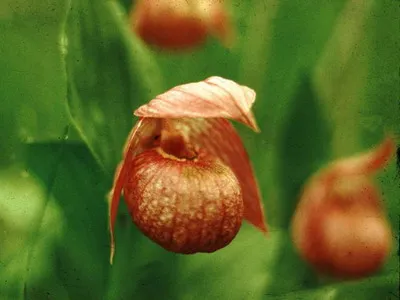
(339, 226)
(180, 24)
(185, 176)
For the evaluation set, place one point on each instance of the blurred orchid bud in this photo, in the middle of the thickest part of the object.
(339, 225)
(180, 24)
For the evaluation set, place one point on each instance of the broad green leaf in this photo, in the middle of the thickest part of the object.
(109, 75)
(281, 42)
(380, 111)
(141, 269)
(380, 287)
(381, 108)
(127, 4)
(33, 84)
(341, 75)
(303, 147)
(239, 271)
(78, 187)
(299, 33)
(31, 225)
(155, 272)
(299, 156)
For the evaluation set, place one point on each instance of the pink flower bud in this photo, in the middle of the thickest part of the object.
(180, 24)
(339, 225)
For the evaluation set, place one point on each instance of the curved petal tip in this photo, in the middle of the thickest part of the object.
(368, 162)
(214, 97)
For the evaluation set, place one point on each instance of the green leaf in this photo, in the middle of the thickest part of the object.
(78, 188)
(299, 156)
(304, 146)
(298, 36)
(25, 214)
(341, 75)
(239, 271)
(283, 39)
(109, 75)
(381, 108)
(33, 85)
(379, 287)
(156, 272)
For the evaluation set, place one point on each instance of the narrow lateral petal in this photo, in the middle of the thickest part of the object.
(218, 137)
(214, 97)
(140, 138)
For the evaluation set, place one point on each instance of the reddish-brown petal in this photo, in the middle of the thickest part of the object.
(181, 24)
(218, 137)
(140, 138)
(361, 164)
(173, 25)
(214, 97)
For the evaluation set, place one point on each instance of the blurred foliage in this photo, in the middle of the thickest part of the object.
(326, 76)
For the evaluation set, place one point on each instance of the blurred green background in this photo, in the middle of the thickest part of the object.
(71, 73)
